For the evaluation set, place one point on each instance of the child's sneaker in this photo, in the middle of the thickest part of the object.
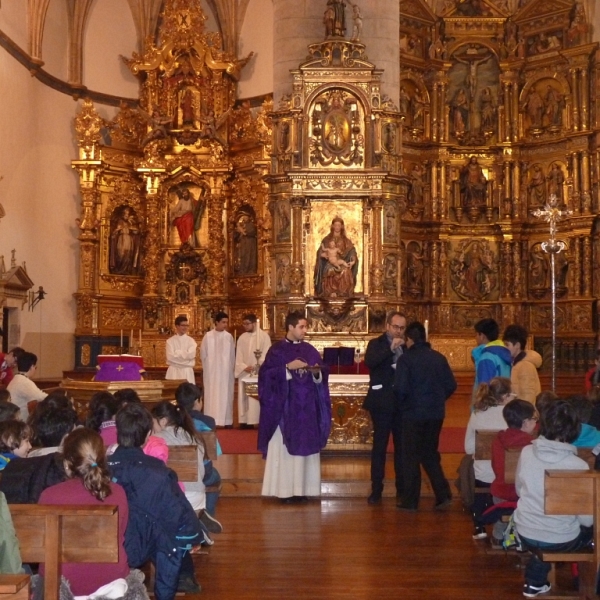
(531, 591)
(479, 533)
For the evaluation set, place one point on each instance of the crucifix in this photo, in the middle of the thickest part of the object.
(551, 213)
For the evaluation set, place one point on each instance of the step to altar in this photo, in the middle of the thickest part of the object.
(341, 477)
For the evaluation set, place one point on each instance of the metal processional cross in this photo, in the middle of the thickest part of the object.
(551, 213)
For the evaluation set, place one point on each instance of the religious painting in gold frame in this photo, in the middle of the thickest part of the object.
(322, 213)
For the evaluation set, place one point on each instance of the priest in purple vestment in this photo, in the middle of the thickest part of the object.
(295, 415)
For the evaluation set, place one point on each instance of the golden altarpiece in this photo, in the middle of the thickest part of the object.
(338, 201)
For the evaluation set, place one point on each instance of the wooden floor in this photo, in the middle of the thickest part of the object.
(343, 548)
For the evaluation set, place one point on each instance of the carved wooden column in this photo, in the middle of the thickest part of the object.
(152, 175)
(445, 113)
(435, 270)
(576, 207)
(576, 253)
(506, 261)
(297, 203)
(376, 273)
(434, 113)
(584, 94)
(434, 189)
(586, 200)
(574, 98)
(587, 267)
(517, 266)
(505, 208)
(516, 189)
(444, 197)
(444, 270)
(507, 112)
(89, 167)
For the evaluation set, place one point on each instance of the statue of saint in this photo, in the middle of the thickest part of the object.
(246, 246)
(556, 180)
(124, 244)
(460, 113)
(357, 23)
(186, 215)
(534, 105)
(336, 266)
(473, 184)
(335, 18)
(187, 108)
(537, 187)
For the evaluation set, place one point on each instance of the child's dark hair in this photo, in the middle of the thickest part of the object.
(516, 412)
(491, 394)
(12, 433)
(176, 417)
(25, 361)
(4, 395)
(127, 396)
(543, 400)
(187, 394)
(51, 425)
(134, 423)
(103, 407)
(560, 422)
(582, 405)
(489, 328)
(8, 411)
(85, 457)
(55, 399)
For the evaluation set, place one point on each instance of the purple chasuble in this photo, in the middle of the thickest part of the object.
(299, 406)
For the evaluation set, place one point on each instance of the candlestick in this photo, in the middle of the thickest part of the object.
(130, 339)
(257, 334)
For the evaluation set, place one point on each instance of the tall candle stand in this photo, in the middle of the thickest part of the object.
(552, 214)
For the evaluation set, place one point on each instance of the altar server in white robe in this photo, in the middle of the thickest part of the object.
(245, 364)
(217, 352)
(181, 352)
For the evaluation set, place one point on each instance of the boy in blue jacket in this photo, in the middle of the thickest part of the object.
(491, 357)
(162, 525)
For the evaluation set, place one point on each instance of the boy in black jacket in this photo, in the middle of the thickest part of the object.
(162, 524)
(424, 381)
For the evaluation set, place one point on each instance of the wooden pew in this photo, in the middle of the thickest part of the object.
(14, 587)
(184, 459)
(574, 493)
(483, 451)
(54, 534)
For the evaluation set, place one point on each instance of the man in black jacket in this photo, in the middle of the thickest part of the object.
(423, 383)
(381, 356)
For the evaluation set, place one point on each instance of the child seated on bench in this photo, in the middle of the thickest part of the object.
(521, 420)
(89, 483)
(162, 527)
(560, 426)
(14, 441)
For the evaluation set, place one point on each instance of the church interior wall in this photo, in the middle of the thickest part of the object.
(55, 42)
(39, 195)
(13, 22)
(257, 36)
(106, 40)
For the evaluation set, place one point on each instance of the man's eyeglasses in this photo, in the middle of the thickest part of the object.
(399, 327)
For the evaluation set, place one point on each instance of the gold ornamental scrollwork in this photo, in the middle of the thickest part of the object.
(123, 284)
(86, 355)
(88, 125)
(120, 318)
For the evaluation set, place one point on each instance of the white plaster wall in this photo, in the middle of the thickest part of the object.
(107, 38)
(39, 195)
(211, 23)
(55, 42)
(13, 21)
(257, 36)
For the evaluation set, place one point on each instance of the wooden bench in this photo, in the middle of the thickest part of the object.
(54, 534)
(14, 587)
(483, 450)
(184, 459)
(574, 493)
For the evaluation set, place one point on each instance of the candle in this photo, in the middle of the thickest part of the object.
(234, 336)
(257, 334)
(140, 339)
(426, 330)
(130, 339)
(121, 345)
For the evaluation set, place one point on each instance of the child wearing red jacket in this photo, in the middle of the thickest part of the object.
(521, 420)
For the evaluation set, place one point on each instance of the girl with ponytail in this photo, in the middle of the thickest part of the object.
(173, 424)
(89, 482)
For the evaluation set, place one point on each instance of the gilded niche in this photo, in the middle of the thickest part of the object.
(337, 136)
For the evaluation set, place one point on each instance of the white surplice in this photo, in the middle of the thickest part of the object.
(217, 352)
(249, 408)
(181, 357)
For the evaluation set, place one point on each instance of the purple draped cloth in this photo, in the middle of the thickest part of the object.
(299, 406)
